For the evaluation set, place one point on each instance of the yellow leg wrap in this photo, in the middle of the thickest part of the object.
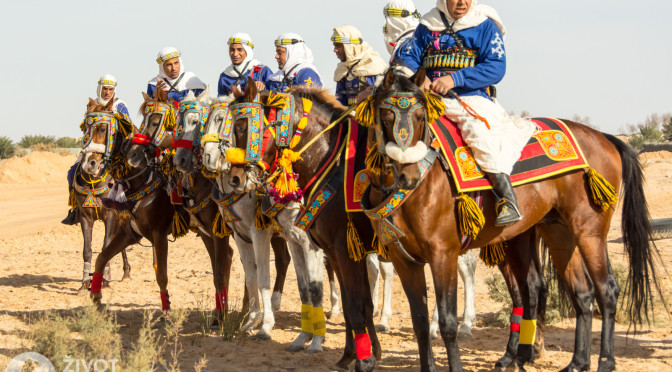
(319, 321)
(528, 331)
(306, 323)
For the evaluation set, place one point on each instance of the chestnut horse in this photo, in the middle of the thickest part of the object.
(570, 221)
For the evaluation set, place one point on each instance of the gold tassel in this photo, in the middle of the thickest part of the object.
(179, 227)
(366, 113)
(261, 222)
(470, 216)
(170, 119)
(235, 155)
(374, 161)
(219, 227)
(286, 183)
(72, 199)
(434, 107)
(603, 193)
(380, 248)
(493, 254)
(355, 246)
(278, 100)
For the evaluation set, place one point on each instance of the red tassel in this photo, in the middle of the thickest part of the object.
(363, 346)
(220, 299)
(96, 282)
(165, 301)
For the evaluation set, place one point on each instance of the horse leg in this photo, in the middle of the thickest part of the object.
(387, 272)
(261, 240)
(349, 351)
(282, 258)
(335, 307)
(444, 272)
(315, 271)
(127, 266)
(412, 277)
(246, 252)
(87, 232)
(115, 242)
(373, 270)
(160, 243)
(466, 266)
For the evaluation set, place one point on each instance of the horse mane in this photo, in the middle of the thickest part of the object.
(319, 95)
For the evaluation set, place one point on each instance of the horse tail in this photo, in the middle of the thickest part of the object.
(636, 230)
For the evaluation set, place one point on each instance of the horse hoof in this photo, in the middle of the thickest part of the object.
(344, 363)
(606, 365)
(295, 348)
(383, 328)
(263, 336)
(433, 335)
(463, 336)
(126, 277)
(314, 350)
(85, 287)
(366, 365)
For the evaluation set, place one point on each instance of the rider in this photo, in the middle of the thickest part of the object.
(243, 65)
(401, 20)
(461, 46)
(106, 91)
(359, 66)
(172, 78)
(295, 63)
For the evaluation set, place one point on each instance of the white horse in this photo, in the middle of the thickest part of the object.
(254, 247)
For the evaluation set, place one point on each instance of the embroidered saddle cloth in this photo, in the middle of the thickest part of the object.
(550, 151)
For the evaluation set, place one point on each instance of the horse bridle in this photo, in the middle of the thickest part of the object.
(153, 141)
(187, 107)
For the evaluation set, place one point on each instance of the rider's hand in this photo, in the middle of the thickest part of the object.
(442, 85)
(426, 85)
(260, 85)
(160, 84)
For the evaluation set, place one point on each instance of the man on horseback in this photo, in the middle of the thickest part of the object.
(359, 66)
(243, 65)
(401, 20)
(295, 61)
(106, 91)
(460, 44)
(172, 78)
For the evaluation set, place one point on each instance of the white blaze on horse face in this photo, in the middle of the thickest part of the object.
(412, 154)
(192, 121)
(213, 157)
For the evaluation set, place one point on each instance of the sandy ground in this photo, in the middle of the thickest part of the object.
(40, 269)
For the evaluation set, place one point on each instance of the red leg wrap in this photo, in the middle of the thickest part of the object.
(363, 346)
(165, 301)
(96, 282)
(516, 317)
(220, 299)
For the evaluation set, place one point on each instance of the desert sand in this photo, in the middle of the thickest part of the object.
(41, 263)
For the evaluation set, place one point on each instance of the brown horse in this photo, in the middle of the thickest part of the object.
(571, 223)
(329, 230)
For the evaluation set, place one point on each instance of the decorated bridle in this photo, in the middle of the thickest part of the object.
(187, 107)
(222, 135)
(166, 124)
(93, 120)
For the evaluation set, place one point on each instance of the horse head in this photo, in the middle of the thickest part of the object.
(400, 117)
(102, 134)
(217, 137)
(193, 113)
(156, 131)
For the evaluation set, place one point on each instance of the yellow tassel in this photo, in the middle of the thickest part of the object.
(286, 183)
(380, 248)
(179, 227)
(366, 112)
(261, 222)
(209, 137)
(307, 107)
(493, 254)
(235, 155)
(355, 246)
(374, 161)
(82, 126)
(170, 119)
(470, 216)
(72, 199)
(219, 227)
(434, 107)
(604, 195)
(278, 100)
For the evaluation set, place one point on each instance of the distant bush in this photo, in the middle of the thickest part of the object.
(30, 140)
(7, 147)
(68, 142)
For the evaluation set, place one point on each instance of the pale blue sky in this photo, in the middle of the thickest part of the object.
(608, 60)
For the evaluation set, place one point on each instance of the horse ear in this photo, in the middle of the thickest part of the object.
(236, 92)
(161, 95)
(389, 78)
(90, 105)
(250, 90)
(205, 95)
(146, 97)
(419, 77)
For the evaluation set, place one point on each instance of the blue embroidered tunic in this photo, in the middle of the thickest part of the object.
(306, 77)
(261, 73)
(347, 90)
(173, 95)
(484, 43)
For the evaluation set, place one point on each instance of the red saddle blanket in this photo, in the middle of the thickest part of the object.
(551, 150)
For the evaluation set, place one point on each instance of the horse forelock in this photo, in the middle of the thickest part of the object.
(401, 84)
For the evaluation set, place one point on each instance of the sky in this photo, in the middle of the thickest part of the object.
(609, 60)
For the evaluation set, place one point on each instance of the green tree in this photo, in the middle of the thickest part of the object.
(68, 142)
(30, 140)
(7, 147)
(667, 129)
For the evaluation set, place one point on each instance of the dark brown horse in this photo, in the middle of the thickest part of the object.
(330, 228)
(570, 221)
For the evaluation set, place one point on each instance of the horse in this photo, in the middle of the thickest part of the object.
(253, 239)
(86, 195)
(573, 221)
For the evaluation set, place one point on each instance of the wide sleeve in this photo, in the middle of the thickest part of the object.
(491, 65)
(262, 74)
(341, 92)
(223, 87)
(308, 78)
(150, 90)
(123, 110)
(410, 54)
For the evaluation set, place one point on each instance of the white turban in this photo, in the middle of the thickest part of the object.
(187, 82)
(244, 40)
(398, 27)
(476, 15)
(358, 53)
(106, 80)
(299, 56)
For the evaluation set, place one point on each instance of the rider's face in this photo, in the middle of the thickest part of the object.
(107, 92)
(281, 56)
(237, 53)
(339, 49)
(458, 8)
(172, 67)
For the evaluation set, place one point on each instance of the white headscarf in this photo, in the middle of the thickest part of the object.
(358, 53)
(476, 15)
(189, 80)
(244, 40)
(399, 28)
(106, 80)
(298, 55)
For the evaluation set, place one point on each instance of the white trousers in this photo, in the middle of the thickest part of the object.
(497, 149)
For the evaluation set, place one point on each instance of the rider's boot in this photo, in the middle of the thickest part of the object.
(72, 218)
(507, 207)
